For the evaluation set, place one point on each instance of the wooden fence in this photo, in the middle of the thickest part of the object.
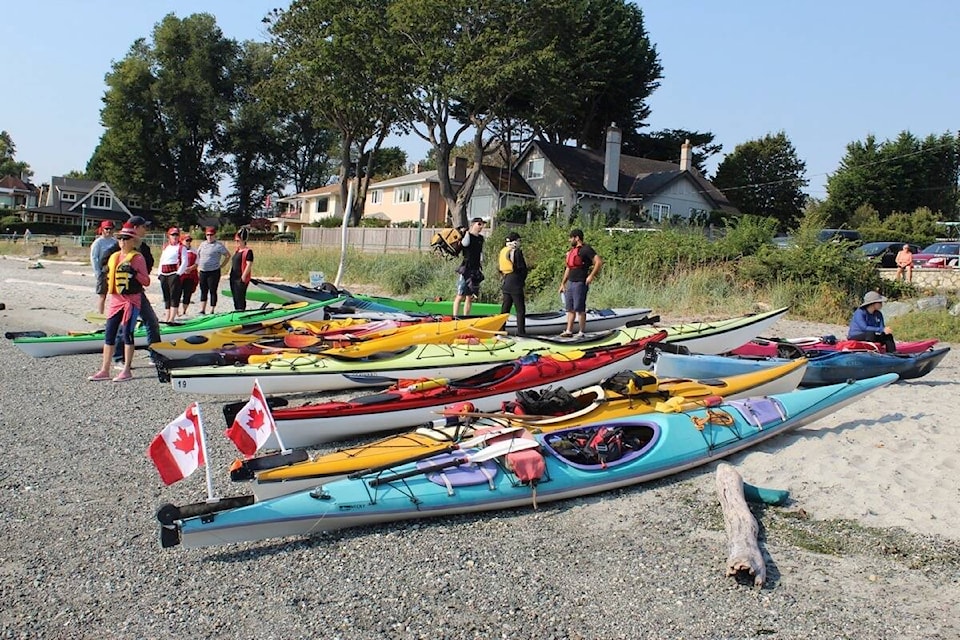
(372, 239)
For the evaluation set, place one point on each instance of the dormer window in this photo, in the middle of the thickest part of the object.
(102, 200)
(535, 168)
(66, 196)
(133, 202)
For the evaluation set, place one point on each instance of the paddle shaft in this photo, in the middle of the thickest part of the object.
(487, 453)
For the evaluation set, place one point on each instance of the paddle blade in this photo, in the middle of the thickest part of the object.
(301, 340)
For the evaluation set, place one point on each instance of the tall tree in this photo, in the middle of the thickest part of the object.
(464, 63)
(253, 138)
(335, 57)
(896, 176)
(605, 69)
(765, 177)
(665, 145)
(165, 110)
(9, 166)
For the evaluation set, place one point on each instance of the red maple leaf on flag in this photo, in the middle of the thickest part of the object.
(186, 441)
(256, 419)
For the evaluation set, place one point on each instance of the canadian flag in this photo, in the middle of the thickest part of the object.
(253, 424)
(177, 451)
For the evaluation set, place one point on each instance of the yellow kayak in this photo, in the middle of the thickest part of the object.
(247, 334)
(398, 338)
(642, 393)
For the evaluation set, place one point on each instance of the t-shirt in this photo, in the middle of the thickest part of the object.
(210, 255)
(587, 254)
(237, 262)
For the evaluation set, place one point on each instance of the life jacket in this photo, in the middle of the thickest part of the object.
(574, 261)
(504, 261)
(122, 277)
(243, 263)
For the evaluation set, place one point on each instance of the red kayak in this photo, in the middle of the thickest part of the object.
(417, 402)
(794, 347)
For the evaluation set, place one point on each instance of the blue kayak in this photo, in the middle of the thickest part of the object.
(823, 367)
(562, 464)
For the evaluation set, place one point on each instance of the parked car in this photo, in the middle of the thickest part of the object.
(838, 235)
(885, 253)
(938, 255)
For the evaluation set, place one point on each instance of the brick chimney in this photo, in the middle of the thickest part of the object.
(611, 160)
(686, 158)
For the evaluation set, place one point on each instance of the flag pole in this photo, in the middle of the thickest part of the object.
(206, 457)
(273, 423)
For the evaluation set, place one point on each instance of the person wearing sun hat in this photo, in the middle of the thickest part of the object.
(126, 279)
(212, 256)
(100, 250)
(867, 324)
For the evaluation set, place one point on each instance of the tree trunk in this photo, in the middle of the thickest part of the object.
(742, 528)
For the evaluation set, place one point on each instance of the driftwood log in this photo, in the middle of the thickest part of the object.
(742, 528)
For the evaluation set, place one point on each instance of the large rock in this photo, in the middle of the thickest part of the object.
(894, 308)
(933, 303)
(955, 310)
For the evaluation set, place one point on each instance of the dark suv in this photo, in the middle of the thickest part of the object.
(837, 235)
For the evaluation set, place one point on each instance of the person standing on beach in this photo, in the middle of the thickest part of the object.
(513, 268)
(100, 250)
(867, 323)
(212, 256)
(582, 266)
(147, 315)
(127, 278)
(241, 270)
(173, 264)
(26, 235)
(470, 273)
(190, 278)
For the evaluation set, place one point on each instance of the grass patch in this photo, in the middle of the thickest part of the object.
(920, 325)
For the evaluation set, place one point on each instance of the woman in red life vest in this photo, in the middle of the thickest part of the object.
(241, 270)
(191, 277)
(173, 263)
(582, 266)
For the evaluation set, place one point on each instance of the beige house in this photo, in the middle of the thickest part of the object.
(302, 209)
(413, 197)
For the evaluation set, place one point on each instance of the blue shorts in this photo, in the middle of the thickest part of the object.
(575, 297)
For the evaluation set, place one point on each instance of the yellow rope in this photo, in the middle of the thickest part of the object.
(714, 416)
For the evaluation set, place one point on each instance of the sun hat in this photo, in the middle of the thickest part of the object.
(212, 230)
(106, 224)
(871, 297)
(173, 231)
(127, 231)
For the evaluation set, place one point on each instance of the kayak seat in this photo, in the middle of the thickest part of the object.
(462, 475)
(760, 412)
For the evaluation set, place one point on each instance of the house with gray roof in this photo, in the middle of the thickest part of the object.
(75, 202)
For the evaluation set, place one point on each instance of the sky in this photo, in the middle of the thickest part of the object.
(825, 73)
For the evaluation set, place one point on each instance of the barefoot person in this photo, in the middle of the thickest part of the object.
(905, 263)
(126, 280)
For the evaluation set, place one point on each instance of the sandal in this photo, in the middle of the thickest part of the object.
(123, 377)
(99, 376)
(566, 334)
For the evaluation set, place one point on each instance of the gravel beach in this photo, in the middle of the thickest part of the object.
(82, 557)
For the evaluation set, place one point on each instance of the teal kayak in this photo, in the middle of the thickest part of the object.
(515, 470)
(44, 346)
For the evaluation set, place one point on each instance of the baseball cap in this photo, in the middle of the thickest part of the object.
(173, 231)
(139, 221)
(475, 220)
(106, 224)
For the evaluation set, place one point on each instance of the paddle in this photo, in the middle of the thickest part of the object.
(487, 453)
(643, 321)
(454, 446)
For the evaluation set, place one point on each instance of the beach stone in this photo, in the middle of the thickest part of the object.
(932, 303)
(894, 308)
(955, 310)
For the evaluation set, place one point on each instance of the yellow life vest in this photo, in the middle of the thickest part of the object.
(505, 264)
(122, 278)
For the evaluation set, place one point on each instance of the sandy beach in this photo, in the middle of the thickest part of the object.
(868, 547)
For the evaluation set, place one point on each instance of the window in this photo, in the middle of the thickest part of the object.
(68, 197)
(535, 168)
(554, 206)
(102, 200)
(481, 206)
(406, 194)
(133, 202)
(659, 212)
(376, 196)
(323, 204)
